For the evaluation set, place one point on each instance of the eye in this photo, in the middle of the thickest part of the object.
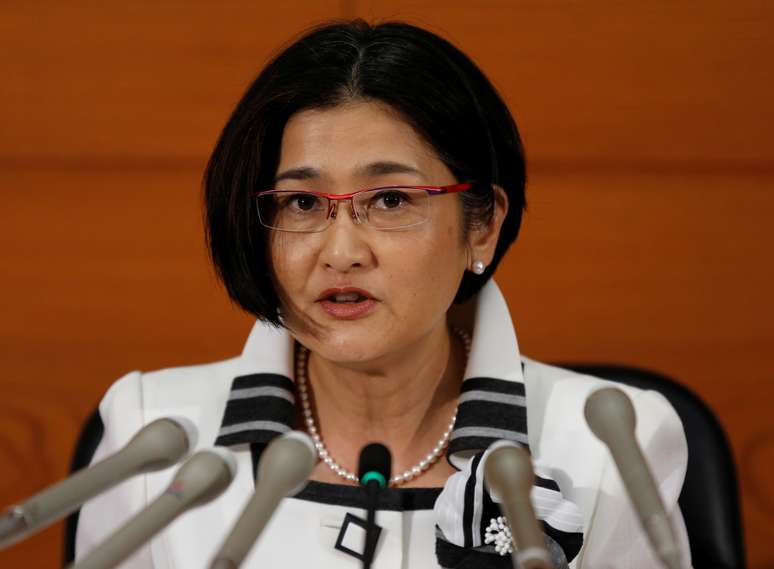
(390, 199)
(305, 202)
(300, 202)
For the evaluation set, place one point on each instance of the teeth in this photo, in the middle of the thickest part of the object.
(346, 297)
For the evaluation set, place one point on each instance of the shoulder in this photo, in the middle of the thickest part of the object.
(551, 388)
(563, 444)
(565, 449)
(183, 381)
(199, 392)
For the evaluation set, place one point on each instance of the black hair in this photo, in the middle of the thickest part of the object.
(431, 83)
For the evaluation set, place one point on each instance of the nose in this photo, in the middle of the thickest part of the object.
(345, 246)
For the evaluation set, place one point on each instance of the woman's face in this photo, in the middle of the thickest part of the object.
(409, 277)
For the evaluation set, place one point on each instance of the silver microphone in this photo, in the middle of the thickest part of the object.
(610, 416)
(508, 473)
(202, 478)
(158, 445)
(283, 470)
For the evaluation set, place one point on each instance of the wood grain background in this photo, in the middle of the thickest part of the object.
(648, 240)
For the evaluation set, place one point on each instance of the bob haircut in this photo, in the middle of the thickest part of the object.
(434, 86)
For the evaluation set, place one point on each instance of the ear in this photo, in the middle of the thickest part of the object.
(482, 240)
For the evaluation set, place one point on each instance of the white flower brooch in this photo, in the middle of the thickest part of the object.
(499, 533)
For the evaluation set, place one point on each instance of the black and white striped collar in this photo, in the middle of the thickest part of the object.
(492, 406)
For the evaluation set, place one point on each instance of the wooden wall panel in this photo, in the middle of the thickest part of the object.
(107, 115)
(647, 127)
(667, 272)
(152, 81)
(647, 240)
(634, 81)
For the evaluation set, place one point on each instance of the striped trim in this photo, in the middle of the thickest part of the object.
(554, 510)
(251, 392)
(260, 406)
(469, 511)
(480, 395)
(546, 483)
(278, 428)
(489, 410)
(489, 433)
(493, 384)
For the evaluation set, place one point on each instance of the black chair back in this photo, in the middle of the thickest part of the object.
(85, 446)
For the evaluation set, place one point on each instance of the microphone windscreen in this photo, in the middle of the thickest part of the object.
(287, 462)
(162, 443)
(284, 468)
(610, 414)
(509, 475)
(611, 417)
(189, 428)
(375, 459)
(508, 466)
(204, 476)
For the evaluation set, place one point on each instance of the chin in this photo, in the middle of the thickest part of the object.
(350, 344)
(349, 348)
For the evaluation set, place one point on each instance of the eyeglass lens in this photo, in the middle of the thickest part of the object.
(389, 208)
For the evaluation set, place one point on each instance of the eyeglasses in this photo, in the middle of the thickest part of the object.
(385, 208)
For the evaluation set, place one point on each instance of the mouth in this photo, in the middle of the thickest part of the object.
(345, 295)
(347, 303)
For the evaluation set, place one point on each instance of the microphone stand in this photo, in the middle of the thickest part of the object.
(373, 486)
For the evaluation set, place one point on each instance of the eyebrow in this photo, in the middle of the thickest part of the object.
(380, 168)
(388, 167)
(304, 173)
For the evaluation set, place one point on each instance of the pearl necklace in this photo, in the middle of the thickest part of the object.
(302, 358)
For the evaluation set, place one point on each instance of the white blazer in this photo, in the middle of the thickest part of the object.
(302, 532)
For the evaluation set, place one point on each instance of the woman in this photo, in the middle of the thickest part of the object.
(358, 201)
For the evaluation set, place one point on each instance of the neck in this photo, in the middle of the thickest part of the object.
(405, 400)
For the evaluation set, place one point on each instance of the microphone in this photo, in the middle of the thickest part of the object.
(283, 470)
(610, 416)
(158, 445)
(509, 475)
(374, 468)
(202, 478)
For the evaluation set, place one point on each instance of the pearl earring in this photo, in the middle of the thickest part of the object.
(479, 267)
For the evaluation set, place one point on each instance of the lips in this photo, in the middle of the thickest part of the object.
(346, 303)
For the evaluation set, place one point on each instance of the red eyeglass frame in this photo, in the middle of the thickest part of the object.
(434, 190)
(335, 199)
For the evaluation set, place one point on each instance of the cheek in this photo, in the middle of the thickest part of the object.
(428, 265)
(290, 260)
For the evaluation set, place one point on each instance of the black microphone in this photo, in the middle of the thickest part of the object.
(374, 468)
